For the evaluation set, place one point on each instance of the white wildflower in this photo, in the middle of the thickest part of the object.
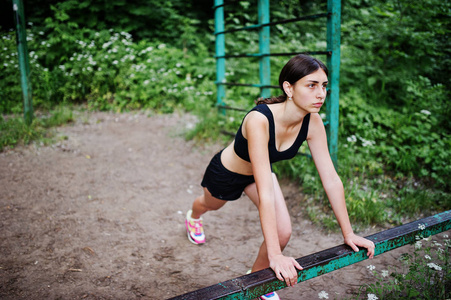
(351, 139)
(115, 62)
(371, 267)
(434, 266)
(421, 226)
(372, 297)
(426, 112)
(161, 46)
(384, 273)
(367, 143)
(323, 295)
(445, 236)
(427, 257)
(146, 82)
(418, 245)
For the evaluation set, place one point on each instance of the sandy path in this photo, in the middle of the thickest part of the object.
(100, 216)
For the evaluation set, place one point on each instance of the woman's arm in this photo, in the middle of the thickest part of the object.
(317, 141)
(257, 133)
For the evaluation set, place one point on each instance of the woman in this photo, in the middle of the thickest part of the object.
(273, 131)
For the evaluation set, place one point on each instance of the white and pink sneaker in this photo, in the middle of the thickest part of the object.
(194, 229)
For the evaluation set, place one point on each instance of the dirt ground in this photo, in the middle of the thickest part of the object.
(100, 215)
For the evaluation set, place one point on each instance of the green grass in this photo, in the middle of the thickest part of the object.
(14, 131)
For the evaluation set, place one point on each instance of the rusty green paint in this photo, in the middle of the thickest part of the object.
(444, 223)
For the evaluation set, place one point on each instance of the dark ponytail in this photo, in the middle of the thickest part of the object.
(297, 67)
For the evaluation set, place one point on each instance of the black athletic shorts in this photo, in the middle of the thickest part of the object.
(222, 183)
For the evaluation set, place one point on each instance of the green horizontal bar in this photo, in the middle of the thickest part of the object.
(274, 54)
(232, 108)
(248, 84)
(262, 282)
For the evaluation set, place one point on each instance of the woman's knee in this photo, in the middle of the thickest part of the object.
(284, 237)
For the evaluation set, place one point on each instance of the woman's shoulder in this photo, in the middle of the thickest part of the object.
(256, 117)
(255, 120)
(316, 119)
(316, 125)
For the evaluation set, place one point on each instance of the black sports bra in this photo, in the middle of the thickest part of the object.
(241, 147)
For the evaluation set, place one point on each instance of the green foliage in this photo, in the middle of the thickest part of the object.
(390, 43)
(9, 75)
(411, 141)
(424, 274)
(183, 23)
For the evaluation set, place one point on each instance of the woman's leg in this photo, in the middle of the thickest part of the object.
(204, 203)
(283, 222)
(193, 222)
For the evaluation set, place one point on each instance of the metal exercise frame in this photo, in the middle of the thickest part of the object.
(333, 16)
(262, 282)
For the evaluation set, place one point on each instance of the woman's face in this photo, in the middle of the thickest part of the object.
(309, 92)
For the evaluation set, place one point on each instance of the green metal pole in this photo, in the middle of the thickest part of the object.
(220, 52)
(264, 42)
(333, 63)
(24, 63)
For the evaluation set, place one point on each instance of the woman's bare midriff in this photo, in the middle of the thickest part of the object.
(234, 163)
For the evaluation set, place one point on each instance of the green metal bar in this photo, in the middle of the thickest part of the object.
(24, 64)
(264, 42)
(333, 63)
(249, 84)
(274, 54)
(220, 52)
(256, 26)
(259, 283)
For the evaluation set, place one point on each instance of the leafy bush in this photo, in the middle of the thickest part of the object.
(9, 75)
(411, 142)
(110, 71)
